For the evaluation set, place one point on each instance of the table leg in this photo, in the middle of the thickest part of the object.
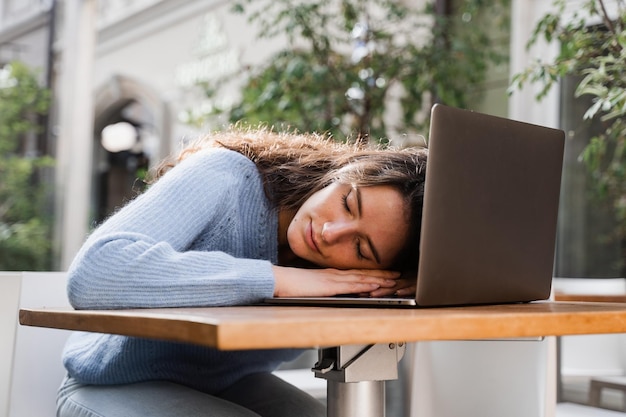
(362, 399)
(356, 376)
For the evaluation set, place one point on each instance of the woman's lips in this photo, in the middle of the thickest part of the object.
(309, 238)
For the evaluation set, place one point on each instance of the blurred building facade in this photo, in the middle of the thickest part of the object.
(146, 58)
(24, 32)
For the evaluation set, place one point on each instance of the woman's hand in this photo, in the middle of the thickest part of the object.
(300, 282)
(405, 286)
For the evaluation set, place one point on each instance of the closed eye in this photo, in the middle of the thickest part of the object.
(344, 200)
(359, 211)
(346, 205)
(359, 254)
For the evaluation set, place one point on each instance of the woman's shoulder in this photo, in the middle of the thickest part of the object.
(214, 167)
(219, 160)
(216, 154)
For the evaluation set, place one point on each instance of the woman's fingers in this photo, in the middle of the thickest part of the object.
(402, 288)
(359, 280)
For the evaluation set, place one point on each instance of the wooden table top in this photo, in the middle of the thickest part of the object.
(260, 327)
(596, 298)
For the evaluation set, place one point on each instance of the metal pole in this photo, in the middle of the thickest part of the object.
(355, 399)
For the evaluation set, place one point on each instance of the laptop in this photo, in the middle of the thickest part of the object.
(490, 214)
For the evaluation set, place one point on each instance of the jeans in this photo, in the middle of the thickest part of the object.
(256, 395)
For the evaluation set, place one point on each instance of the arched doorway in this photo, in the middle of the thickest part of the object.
(131, 133)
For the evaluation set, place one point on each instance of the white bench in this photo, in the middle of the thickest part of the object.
(30, 358)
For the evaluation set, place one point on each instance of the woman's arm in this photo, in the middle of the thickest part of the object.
(140, 257)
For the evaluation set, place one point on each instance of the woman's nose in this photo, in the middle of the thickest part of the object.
(333, 232)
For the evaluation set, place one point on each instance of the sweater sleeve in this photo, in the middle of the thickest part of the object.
(141, 256)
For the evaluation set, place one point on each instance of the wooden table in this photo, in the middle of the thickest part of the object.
(374, 331)
(595, 298)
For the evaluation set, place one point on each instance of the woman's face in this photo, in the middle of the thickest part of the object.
(346, 227)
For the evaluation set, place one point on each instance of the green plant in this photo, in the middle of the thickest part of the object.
(348, 61)
(24, 225)
(592, 47)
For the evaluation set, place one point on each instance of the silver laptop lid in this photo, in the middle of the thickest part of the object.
(490, 210)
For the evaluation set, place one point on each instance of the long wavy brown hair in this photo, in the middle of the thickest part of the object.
(294, 166)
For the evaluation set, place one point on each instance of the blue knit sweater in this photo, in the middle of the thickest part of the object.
(203, 235)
